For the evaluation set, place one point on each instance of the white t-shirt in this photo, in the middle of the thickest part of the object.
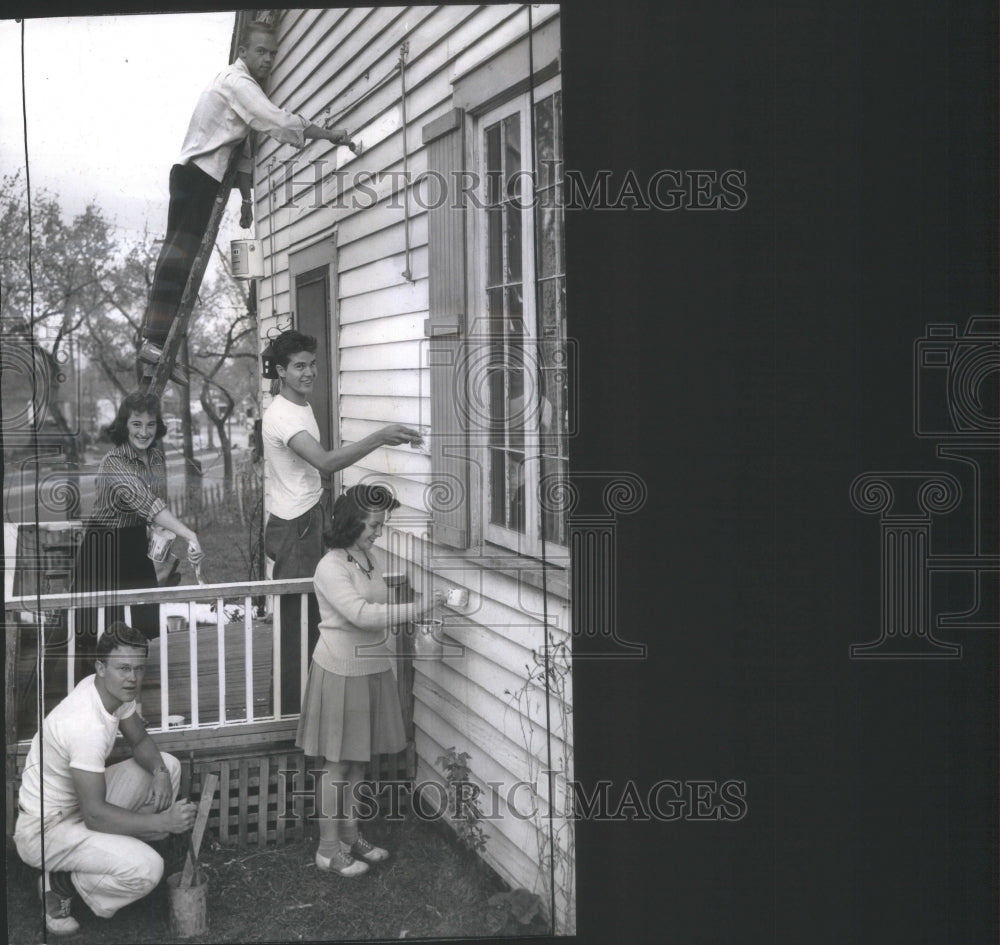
(293, 486)
(78, 733)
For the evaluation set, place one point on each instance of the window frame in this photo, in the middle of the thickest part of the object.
(529, 544)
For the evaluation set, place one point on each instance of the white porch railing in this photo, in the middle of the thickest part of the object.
(233, 649)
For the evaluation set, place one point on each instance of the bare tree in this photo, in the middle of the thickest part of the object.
(224, 355)
(52, 277)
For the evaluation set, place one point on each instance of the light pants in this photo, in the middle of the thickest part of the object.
(109, 870)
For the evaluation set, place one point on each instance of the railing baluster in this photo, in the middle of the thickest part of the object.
(193, 656)
(164, 681)
(303, 645)
(74, 603)
(70, 649)
(276, 653)
(220, 626)
(248, 650)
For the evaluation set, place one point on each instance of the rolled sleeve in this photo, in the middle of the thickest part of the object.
(244, 164)
(248, 100)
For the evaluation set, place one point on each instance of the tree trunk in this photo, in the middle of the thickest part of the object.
(226, 448)
(218, 420)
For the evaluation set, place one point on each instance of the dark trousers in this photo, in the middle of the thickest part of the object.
(192, 194)
(296, 545)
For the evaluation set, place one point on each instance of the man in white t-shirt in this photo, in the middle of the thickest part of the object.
(96, 819)
(294, 461)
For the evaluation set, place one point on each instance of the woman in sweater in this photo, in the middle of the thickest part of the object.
(350, 710)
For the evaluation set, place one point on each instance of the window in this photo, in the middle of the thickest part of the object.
(519, 312)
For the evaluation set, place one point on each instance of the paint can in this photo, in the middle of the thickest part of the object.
(188, 906)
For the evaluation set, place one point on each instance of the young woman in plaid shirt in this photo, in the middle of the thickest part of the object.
(131, 494)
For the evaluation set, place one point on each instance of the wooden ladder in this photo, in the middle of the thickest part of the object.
(155, 376)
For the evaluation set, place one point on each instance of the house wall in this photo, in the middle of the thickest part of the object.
(477, 700)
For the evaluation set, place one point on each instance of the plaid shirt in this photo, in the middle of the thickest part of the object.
(128, 491)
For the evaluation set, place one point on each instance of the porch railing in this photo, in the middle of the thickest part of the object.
(233, 651)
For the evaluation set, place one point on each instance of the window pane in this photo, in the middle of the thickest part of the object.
(512, 150)
(513, 243)
(519, 389)
(498, 493)
(515, 486)
(545, 143)
(553, 519)
(548, 240)
(493, 169)
(498, 406)
(552, 308)
(494, 246)
(515, 309)
(494, 308)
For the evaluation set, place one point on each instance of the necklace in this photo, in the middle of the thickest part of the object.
(367, 572)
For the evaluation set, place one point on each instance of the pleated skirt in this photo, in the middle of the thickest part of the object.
(350, 718)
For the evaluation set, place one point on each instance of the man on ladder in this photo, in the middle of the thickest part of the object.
(215, 150)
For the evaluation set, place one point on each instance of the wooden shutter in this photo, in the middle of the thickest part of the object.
(449, 497)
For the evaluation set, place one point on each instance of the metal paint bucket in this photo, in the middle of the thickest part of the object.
(427, 642)
(189, 906)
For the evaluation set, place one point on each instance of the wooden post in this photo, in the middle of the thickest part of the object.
(12, 636)
(204, 805)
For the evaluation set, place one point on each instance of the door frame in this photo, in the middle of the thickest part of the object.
(321, 253)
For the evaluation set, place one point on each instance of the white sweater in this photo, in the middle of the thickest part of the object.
(355, 615)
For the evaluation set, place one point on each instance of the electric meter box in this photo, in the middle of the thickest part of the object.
(247, 259)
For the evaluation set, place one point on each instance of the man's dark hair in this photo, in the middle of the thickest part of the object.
(137, 402)
(291, 342)
(266, 28)
(119, 634)
(351, 509)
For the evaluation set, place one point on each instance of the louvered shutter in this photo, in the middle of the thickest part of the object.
(449, 498)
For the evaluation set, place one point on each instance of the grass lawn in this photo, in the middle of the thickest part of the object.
(429, 888)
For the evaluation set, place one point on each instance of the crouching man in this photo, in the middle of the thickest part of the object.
(96, 819)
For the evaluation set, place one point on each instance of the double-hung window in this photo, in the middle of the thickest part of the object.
(518, 304)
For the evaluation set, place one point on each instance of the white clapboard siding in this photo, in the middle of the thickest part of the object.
(405, 355)
(480, 686)
(392, 300)
(401, 409)
(328, 59)
(508, 801)
(515, 863)
(382, 272)
(402, 383)
(380, 330)
(357, 246)
(511, 29)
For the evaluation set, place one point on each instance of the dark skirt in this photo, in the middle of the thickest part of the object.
(350, 718)
(113, 559)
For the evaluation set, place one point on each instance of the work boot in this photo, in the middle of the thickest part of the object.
(149, 356)
(58, 901)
